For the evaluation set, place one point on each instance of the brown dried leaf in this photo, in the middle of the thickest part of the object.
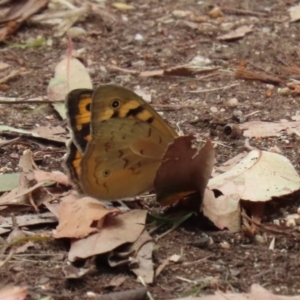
(184, 170)
(118, 230)
(19, 12)
(236, 34)
(76, 217)
(143, 264)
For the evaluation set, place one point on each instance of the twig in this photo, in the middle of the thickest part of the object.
(243, 11)
(8, 100)
(145, 286)
(176, 107)
(247, 75)
(10, 76)
(8, 257)
(31, 201)
(111, 67)
(2, 144)
(188, 263)
(251, 114)
(216, 89)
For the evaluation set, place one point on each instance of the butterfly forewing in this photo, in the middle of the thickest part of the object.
(118, 142)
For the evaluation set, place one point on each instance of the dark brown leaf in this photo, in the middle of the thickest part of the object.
(185, 169)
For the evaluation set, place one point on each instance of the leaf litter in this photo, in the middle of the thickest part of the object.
(229, 185)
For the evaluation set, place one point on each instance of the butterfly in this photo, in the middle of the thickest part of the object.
(118, 141)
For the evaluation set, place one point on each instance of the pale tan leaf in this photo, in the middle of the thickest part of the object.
(236, 34)
(13, 293)
(260, 176)
(223, 211)
(294, 12)
(266, 129)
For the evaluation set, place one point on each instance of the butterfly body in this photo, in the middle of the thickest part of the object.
(118, 141)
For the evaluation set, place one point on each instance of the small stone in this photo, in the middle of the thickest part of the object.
(103, 69)
(222, 110)
(216, 12)
(276, 222)
(139, 63)
(237, 113)
(225, 245)
(259, 239)
(284, 91)
(233, 102)
(138, 37)
(270, 87)
(76, 32)
(227, 26)
(291, 223)
(214, 109)
(200, 61)
(181, 13)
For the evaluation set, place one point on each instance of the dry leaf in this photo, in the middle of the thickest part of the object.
(266, 129)
(13, 293)
(14, 195)
(70, 74)
(294, 12)
(77, 217)
(223, 211)
(143, 264)
(260, 176)
(55, 176)
(19, 12)
(72, 272)
(37, 133)
(118, 230)
(236, 34)
(193, 165)
(26, 220)
(3, 66)
(256, 293)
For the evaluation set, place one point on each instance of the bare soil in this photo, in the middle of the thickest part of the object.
(203, 269)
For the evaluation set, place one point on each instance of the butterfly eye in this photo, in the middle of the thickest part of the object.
(106, 173)
(115, 104)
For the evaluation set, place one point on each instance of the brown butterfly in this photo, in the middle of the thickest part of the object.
(118, 141)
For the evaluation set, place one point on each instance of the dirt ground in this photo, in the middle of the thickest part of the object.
(168, 42)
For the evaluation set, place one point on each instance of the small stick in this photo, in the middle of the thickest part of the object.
(216, 89)
(8, 100)
(111, 67)
(247, 75)
(243, 11)
(252, 114)
(10, 76)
